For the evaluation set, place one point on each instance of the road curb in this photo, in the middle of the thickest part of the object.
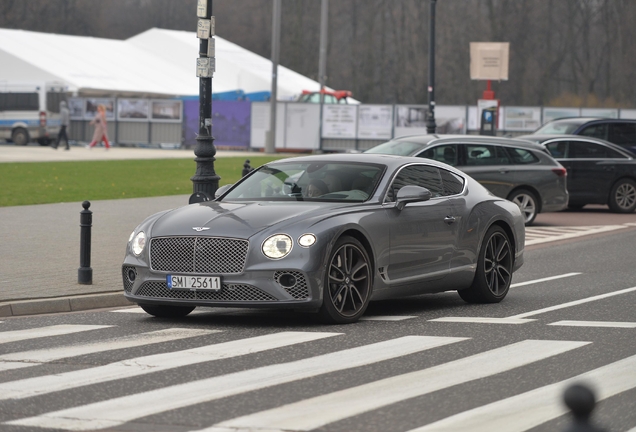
(63, 304)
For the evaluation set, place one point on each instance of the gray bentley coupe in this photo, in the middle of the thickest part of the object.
(328, 234)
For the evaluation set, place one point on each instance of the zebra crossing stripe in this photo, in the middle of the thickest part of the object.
(386, 318)
(40, 332)
(540, 237)
(607, 324)
(528, 410)
(547, 279)
(25, 359)
(115, 412)
(159, 362)
(317, 412)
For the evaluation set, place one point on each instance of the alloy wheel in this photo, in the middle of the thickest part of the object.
(526, 205)
(498, 263)
(625, 196)
(349, 281)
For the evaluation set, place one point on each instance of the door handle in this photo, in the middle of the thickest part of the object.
(504, 171)
(449, 219)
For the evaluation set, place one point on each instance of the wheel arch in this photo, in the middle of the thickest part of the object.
(622, 177)
(530, 189)
(358, 235)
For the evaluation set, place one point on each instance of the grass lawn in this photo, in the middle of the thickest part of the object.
(53, 182)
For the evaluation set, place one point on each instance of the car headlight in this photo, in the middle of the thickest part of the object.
(138, 243)
(306, 240)
(277, 246)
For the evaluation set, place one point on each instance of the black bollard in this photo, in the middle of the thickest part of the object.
(247, 168)
(85, 272)
(580, 400)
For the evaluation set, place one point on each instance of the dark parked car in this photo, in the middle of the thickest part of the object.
(599, 172)
(621, 132)
(517, 170)
(328, 233)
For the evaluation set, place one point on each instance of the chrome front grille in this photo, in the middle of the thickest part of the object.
(198, 255)
(228, 292)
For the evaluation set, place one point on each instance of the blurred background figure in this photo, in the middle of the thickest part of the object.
(65, 119)
(101, 128)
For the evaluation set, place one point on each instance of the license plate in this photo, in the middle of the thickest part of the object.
(203, 283)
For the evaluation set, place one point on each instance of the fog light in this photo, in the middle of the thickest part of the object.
(287, 280)
(132, 275)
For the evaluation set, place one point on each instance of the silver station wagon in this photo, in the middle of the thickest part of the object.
(520, 171)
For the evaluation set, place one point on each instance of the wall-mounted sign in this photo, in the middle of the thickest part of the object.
(522, 118)
(76, 108)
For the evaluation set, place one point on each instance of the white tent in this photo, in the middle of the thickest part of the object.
(156, 62)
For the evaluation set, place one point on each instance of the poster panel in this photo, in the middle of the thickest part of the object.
(410, 120)
(259, 124)
(522, 118)
(133, 109)
(628, 114)
(91, 104)
(375, 122)
(76, 108)
(550, 114)
(450, 119)
(339, 121)
(600, 112)
(162, 110)
(302, 126)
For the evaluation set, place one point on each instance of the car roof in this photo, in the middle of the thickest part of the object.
(565, 137)
(583, 120)
(470, 139)
(391, 161)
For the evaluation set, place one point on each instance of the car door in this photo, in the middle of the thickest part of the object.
(421, 238)
(491, 166)
(591, 171)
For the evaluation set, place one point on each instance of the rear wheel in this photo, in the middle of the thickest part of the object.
(20, 137)
(623, 196)
(494, 269)
(164, 311)
(527, 202)
(348, 283)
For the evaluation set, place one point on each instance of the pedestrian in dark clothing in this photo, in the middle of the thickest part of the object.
(65, 116)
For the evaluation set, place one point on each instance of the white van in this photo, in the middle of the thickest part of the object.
(30, 111)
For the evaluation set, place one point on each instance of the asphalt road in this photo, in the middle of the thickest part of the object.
(440, 364)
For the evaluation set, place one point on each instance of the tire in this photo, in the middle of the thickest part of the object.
(622, 198)
(20, 137)
(527, 202)
(348, 283)
(164, 311)
(494, 269)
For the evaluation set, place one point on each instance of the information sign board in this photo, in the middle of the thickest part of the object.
(339, 121)
(375, 122)
(205, 67)
(522, 118)
(203, 28)
(202, 8)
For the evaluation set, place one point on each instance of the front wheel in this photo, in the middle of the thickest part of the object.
(623, 196)
(528, 204)
(164, 311)
(348, 283)
(20, 137)
(494, 269)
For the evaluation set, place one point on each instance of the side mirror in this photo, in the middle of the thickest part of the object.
(410, 194)
(220, 191)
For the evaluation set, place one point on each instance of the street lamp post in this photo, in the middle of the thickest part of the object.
(430, 121)
(270, 139)
(205, 180)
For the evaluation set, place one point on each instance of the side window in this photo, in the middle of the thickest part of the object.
(622, 133)
(442, 153)
(477, 154)
(453, 184)
(19, 102)
(595, 131)
(417, 175)
(522, 156)
(586, 150)
(559, 150)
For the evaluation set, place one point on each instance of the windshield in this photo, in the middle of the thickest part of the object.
(398, 148)
(558, 128)
(316, 181)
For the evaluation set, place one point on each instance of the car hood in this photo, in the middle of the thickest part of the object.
(237, 220)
